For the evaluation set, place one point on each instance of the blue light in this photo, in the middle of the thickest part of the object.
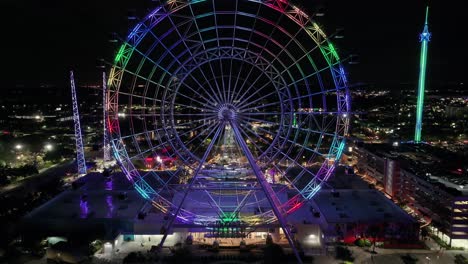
(143, 193)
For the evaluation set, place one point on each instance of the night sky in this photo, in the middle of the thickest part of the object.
(43, 40)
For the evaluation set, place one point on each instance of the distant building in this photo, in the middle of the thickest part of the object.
(113, 212)
(350, 214)
(456, 111)
(427, 180)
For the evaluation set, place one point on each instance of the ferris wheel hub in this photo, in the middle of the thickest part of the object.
(227, 112)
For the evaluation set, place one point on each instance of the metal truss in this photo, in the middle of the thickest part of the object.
(80, 159)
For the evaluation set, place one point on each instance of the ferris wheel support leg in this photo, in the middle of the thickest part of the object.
(200, 166)
(269, 192)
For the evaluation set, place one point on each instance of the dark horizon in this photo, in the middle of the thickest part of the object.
(49, 38)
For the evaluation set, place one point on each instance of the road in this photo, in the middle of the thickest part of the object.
(34, 182)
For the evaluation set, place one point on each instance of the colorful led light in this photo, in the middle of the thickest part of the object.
(425, 37)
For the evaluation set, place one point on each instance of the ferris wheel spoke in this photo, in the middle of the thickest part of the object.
(213, 95)
(204, 48)
(138, 134)
(285, 48)
(216, 204)
(182, 37)
(242, 106)
(157, 65)
(139, 96)
(139, 76)
(256, 108)
(301, 145)
(229, 97)
(243, 202)
(256, 136)
(248, 120)
(220, 93)
(249, 41)
(168, 51)
(195, 129)
(294, 161)
(222, 80)
(264, 48)
(208, 104)
(195, 175)
(187, 107)
(274, 28)
(197, 27)
(141, 155)
(265, 113)
(308, 129)
(209, 84)
(191, 122)
(242, 99)
(208, 115)
(241, 87)
(191, 54)
(210, 128)
(267, 131)
(259, 56)
(252, 141)
(223, 95)
(232, 100)
(251, 85)
(208, 131)
(329, 66)
(194, 100)
(286, 139)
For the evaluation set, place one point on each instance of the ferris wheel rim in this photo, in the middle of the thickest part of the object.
(340, 138)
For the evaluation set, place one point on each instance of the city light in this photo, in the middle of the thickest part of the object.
(234, 127)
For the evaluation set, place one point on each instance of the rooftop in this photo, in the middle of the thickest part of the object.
(358, 206)
(431, 163)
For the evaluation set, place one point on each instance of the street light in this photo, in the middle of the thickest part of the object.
(48, 147)
(158, 159)
(18, 146)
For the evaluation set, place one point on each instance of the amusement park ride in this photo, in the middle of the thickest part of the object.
(227, 115)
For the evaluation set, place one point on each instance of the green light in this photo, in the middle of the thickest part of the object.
(333, 51)
(421, 89)
(229, 217)
(120, 53)
(425, 37)
(294, 120)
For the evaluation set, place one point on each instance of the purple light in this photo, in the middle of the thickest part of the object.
(84, 209)
(110, 205)
(109, 186)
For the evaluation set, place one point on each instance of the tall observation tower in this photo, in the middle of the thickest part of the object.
(425, 37)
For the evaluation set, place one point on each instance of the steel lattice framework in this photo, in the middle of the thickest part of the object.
(80, 159)
(106, 148)
(256, 81)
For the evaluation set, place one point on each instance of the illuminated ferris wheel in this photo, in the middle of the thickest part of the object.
(222, 110)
